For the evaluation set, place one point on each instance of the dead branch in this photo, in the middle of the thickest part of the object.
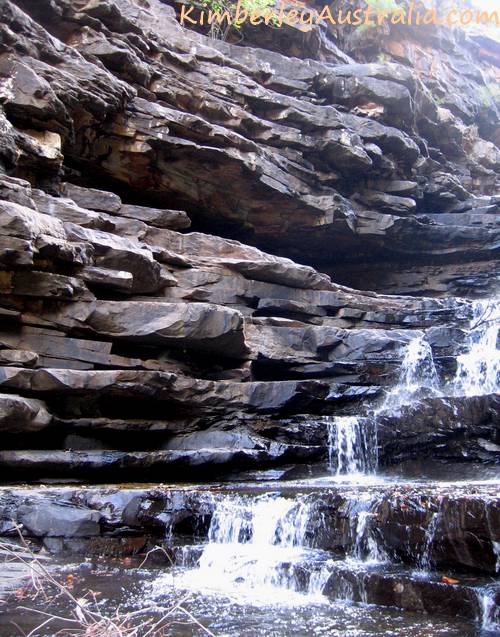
(85, 620)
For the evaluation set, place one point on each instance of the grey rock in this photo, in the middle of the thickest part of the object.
(92, 198)
(59, 521)
(19, 414)
(171, 219)
(202, 326)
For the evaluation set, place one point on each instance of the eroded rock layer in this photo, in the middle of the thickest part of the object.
(150, 175)
(130, 349)
(382, 151)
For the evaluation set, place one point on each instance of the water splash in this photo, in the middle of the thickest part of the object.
(490, 611)
(366, 549)
(352, 442)
(496, 550)
(319, 578)
(258, 550)
(478, 370)
(425, 559)
(417, 377)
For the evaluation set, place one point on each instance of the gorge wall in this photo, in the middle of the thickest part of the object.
(155, 185)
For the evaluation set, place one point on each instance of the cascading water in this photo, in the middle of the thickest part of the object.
(425, 560)
(490, 612)
(260, 549)
(366, 548)
(478, 370)
(418, 376)
(352, 442)
(255, 550)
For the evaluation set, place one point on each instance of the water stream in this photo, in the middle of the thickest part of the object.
(352, 445)
(306, 557)
(255, 547)
(260, 548)
(286, 559)
(478, 370)
(352, 440)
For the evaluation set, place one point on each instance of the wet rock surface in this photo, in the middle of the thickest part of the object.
(412, 528)
(213, 254)
(454, 528)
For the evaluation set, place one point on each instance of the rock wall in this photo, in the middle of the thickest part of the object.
(139, 335)
(382, 152)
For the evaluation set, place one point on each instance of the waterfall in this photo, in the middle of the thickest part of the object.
(260, 548)
(478, 370)
(257, 549)
(425, 560)
(353, 442)
(417, 376)
(366, 549)
(490, 611)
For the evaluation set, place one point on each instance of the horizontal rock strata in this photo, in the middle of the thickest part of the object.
(186, 343)
(369, 154)
(358, 157)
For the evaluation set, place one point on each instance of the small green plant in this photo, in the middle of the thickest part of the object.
(378, 6)
(220, 30)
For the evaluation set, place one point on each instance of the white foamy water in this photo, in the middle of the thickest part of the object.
(258, 551)
(256, 548)
(352, 440)
(417, 376)
(352, 443)
(366, 549)
(490, 611)
(478, 370)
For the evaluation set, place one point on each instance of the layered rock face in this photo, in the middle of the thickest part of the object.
(252, 266)
(133, 349)
(380, 153)
(133, 342)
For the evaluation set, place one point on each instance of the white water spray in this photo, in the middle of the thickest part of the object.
(351, 439)
(478, 370)
(490, 611)
(256, 548)
(418, 376)
(353, 442)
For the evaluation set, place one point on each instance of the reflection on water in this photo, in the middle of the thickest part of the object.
(259, 572)
(132, 588)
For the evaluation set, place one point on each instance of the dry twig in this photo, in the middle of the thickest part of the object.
(86, 620)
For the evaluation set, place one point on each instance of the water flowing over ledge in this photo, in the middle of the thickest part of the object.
(321, 435)
(265, 549)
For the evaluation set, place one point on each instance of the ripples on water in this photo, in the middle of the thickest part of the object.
(258, 573)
